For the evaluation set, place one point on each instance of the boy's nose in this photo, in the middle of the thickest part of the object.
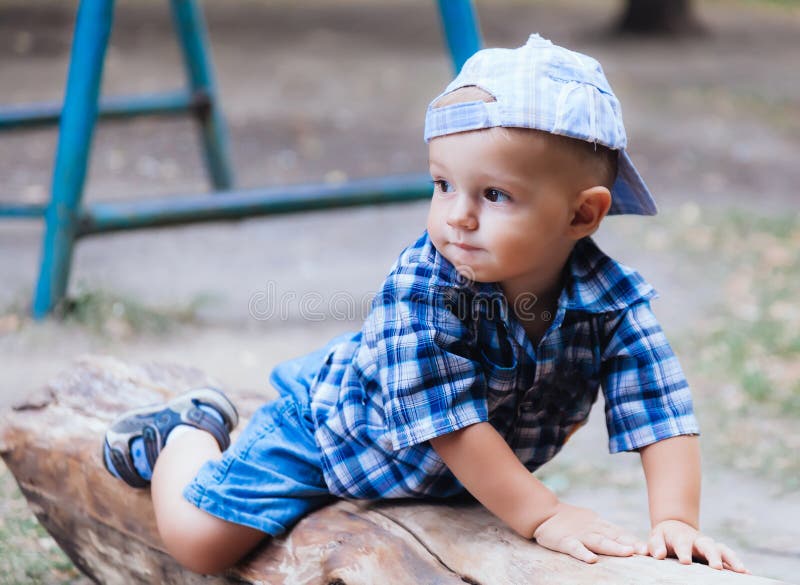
(461, 214)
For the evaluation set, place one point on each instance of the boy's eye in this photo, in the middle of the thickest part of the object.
(442, 185)
(495, 195)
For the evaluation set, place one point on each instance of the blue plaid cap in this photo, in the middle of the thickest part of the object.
(546, 87)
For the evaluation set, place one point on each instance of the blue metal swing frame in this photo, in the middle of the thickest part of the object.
(67, 220)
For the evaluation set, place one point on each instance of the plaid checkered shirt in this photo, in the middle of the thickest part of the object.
(438, 353)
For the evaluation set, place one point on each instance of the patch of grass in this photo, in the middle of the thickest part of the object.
(783, 3)
(117, 316)
(744, 358)
(779, 112)
(27, 553)
(109, 314)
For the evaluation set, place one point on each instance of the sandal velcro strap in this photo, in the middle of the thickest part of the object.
(199, 418)
(124, 467)
(152, 444)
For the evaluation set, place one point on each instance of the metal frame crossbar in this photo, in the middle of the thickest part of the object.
(67, 219)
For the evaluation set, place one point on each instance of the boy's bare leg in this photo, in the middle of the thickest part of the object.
(197, 540)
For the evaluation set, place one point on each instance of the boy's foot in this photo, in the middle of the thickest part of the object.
(134, 440)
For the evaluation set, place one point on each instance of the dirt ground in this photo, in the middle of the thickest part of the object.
(320, 91)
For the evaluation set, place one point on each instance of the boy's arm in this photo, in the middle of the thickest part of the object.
(485, 465)
(672, 470)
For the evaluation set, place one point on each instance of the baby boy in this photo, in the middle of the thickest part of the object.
(483, 351)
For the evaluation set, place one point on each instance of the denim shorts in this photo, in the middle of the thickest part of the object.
(272, 475)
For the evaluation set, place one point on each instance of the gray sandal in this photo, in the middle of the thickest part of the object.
(153, 424)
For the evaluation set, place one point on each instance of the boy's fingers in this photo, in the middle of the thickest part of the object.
(681, 545)
(609, 529)
(732, 559)
(639, 547)
(624, 537)
(683, 550)
(604, 545)
(730, 567)
(706, 547)
(656, 546)
(575, 548)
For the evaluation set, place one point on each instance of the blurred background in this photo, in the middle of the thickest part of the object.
(325, 90)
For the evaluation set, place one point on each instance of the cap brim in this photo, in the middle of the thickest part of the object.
(629, 193)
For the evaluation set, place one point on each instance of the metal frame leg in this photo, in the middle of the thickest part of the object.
(66, 219)
(460, 27)
(90, 40)
(191, 29)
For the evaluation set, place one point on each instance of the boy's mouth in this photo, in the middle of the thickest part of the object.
(464, 246)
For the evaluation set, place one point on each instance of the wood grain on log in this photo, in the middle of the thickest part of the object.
(51, 444)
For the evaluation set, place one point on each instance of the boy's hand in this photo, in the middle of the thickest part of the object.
(684, 541)
(581, 533)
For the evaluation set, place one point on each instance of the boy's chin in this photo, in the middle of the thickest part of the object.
(470, 274)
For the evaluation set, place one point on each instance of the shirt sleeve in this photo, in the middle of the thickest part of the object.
(431, 386)
(646, 393)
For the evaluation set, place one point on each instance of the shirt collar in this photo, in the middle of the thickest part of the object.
(594, 283)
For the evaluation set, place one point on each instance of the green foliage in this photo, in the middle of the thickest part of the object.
(117, 316)
(744, 358)
(755, 337)
(784, 3)
(27, 554)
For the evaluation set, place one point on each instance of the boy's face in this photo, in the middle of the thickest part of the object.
(502, 205)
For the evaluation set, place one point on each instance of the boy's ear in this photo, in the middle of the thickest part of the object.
(591, 206)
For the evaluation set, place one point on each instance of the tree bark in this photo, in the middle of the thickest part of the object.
(51, 443)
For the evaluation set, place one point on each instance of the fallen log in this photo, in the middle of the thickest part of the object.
(51, 444)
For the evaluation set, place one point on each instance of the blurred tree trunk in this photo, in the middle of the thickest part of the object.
(660, 17)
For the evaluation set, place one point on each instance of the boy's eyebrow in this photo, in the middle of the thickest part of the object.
(433, 163)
